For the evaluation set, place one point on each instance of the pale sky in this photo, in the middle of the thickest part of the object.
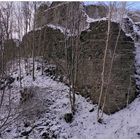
(131, 5)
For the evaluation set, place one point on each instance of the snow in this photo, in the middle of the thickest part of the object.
(53, 98)
(62, 29)
(89, 20)
(137, 22)
(123, 124)
(39, 28)
(115, 18)
(136, 29)
(137, 57)
(137, 65)
(56, 27)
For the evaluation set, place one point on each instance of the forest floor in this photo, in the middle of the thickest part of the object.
(42, 116)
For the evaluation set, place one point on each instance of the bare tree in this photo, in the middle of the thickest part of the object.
(119, 10)
(104, 60)
(19, 31)
(72, 51)
(1, 45)
(6, 14)
(33, 49)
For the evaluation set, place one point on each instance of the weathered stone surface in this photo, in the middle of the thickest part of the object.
(67, 14)
(48, 42)
(134, 15)
(9, 53)
(92, 43)
(56, 3)
(96, 11)
(128, 26)
(58, 14)
(90, 69)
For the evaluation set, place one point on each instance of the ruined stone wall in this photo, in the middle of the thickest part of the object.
(96, 11)
(122, 82)
(92, 46)
(71, 15)
(49, 43)
(63, 14)
(134, 15)
(10, 52)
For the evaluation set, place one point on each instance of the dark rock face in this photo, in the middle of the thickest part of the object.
(134, 15)
(10, 80)
(10, 52)
(92, 46)
(51, 44)
(68, 117)
(128, 26)
(90, 69)
(45, 135)
(51, 70)
(6, 82)
(27, 124)
(57, 14)
(56, 3)
(96, 11)
(66, 13)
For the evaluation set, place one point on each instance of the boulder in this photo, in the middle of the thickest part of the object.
(68, 117)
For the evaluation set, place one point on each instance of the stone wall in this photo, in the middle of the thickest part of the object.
(92, 46)
(10, 52)
(134, 15)
(49, 43)
(64, 14)
(96, 11)
(90, 69)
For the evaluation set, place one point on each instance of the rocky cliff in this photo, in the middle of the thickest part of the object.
(71, 15)
(121, 88)
(96, 11)
(9, 53)
(122, 84)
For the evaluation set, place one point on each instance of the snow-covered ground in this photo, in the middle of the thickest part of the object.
(44, 112)
(53, 99)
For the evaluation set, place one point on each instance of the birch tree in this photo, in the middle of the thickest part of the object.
(26, 9)
(33, 49)
(113, 10)
(103, 66)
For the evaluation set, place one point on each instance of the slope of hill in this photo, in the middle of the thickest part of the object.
(41, 108)
(42, 116)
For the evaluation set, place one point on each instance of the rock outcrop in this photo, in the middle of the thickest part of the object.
(70, 15)
(135, 16)
(121, 88)
(10, 52)
(96, 11)
(64, 14)
(122, 84)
